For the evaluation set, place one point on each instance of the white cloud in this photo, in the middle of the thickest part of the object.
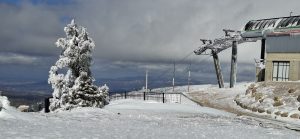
(11, 58)
(136, 33)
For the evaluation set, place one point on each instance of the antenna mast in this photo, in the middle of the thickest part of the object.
(189, 77)
(173, 83)
(146, 81)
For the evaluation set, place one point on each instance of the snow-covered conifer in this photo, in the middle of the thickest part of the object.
(4, 103)
(75, 87)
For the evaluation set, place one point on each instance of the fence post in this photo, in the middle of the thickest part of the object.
(180, 98)
(47, 104)
(163, 97)
(125, 95)
(144, 95)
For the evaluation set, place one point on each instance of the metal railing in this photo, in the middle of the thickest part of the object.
(154, 96)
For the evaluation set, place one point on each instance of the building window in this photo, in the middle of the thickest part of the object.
(281, 70)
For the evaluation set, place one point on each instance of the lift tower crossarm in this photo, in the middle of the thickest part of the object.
(220, 44)
(231, 39)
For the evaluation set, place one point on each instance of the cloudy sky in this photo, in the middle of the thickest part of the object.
(130, 35)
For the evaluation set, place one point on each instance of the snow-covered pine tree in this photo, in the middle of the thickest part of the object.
(75, 88)
(4, 103)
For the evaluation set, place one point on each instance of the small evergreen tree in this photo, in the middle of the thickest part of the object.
(75, 88)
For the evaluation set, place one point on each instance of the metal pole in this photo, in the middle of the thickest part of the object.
(146, 80)
(218, 69)
(189, 79)
(173, 82)
(233, 64)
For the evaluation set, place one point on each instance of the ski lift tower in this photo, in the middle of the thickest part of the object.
(231, 39)
(253, 31)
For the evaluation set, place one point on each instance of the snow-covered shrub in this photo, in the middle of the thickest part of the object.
(70, 77)
(4, 103)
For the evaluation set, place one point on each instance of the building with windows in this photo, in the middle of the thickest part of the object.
(282, 57)
(280, 47)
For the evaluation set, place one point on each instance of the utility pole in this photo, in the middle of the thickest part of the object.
(146, 81)
(189, 77)
(173, 83)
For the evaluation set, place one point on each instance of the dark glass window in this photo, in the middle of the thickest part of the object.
(249, 25)
(298, 22)
(252, 27)
(258, 24)
(272, 23)
(264, 24)
(281, 70)
(286, 22)
(295, 19)
(289, 22)
(281, 23)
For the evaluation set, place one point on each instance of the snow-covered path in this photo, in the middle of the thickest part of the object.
(136, 119)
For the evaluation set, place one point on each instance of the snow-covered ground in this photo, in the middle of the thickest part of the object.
(279, 99)
(137, 119)
(223, 99)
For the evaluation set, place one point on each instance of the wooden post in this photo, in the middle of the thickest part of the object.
(47, 104)
(163, 97)
(233, 64)
(125, 94)
(218, 69)
(144, 95)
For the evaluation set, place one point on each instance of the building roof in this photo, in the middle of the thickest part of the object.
(262, 28)
(273, 23)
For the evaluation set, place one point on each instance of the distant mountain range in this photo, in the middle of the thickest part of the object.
(31, 92)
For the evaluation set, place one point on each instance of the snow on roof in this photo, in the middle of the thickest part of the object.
(282, 26)
(273, 23)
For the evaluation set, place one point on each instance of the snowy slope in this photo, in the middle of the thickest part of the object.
(223, 99)
(279, 99)
(137, 119)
